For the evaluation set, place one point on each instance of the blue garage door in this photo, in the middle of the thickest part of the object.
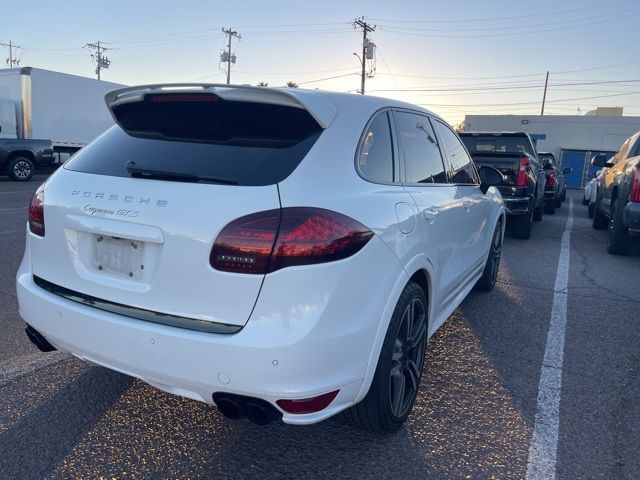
(574, 159)
(580, 162)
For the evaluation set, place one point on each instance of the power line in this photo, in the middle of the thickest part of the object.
(525, 103)
(513, 26)
(485, 19)
(327, 78)
(505, 34)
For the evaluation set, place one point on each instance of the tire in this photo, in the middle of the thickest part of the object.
(592, 208)
(20, 169)
(564, 195)
(600, 221)
(618, 242)
(550, 207)
(537, 213)
(490, 273)
(522, 225)
(386, 406)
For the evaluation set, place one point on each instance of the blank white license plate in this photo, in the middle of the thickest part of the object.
(119, 256)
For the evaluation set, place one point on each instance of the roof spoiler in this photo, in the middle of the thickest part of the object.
(318, 105)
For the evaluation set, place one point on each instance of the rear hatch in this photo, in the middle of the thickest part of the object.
(130, 220)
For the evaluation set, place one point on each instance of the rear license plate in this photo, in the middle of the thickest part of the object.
(119, 256)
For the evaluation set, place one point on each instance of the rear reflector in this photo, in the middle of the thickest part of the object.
(634, 194)
(36, 212)
(521, 179)
(268, 241)
(551, 177)
(307, 405)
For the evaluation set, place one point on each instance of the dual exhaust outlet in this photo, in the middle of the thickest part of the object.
(235, 407)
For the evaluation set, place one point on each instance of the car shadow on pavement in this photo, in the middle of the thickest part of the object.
(36, 444)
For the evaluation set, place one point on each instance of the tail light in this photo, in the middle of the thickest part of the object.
(551, 177)
(521, 179)
(268, 241)
(307, 405)
(36, 212)
(634, 194)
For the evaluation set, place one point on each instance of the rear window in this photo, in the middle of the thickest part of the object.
(497, 144)
(242, 143)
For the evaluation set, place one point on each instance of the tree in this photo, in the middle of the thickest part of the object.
(262, 84)
(291, 84)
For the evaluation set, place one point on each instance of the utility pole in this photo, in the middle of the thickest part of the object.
(544, 96)
(11, 61)
(101, 60)
(226, 56)
(367, 49)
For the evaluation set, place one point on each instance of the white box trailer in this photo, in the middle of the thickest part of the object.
(68, 110)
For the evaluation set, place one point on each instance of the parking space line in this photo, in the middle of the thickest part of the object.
(544, 442)
(17, 191)
(12, 209)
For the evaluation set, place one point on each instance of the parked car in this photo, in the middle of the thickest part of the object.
(281, 253)
(591, 191)
(555, 190)
(512, 153)
(617, 204)
(19, 157)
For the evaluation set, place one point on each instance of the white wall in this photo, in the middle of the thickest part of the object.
(562, 131)
(68, 108)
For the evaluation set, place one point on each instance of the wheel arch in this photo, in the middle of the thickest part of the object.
(21, 153)
(419, 270)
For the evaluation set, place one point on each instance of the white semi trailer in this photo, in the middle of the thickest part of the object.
(45, 116)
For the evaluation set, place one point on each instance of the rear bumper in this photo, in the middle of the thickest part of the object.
(550, 193)
(631, 217)
(300, 342)
(516, 205)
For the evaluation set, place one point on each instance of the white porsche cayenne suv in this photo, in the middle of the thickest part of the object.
(280, 253)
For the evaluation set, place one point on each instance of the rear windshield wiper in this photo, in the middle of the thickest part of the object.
(153, 174)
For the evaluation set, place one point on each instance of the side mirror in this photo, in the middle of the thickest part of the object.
(599, 160)
(490, 177)
(567, 170)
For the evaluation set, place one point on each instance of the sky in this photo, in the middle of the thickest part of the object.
(453, 57)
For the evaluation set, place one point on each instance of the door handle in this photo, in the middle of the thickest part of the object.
(430, 214)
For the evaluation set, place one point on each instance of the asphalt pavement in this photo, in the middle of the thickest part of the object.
(474, 418)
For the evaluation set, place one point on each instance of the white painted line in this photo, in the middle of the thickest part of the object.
(17, 191)
(544, 442)
(12, 209)
(12, 231)
(27, 364)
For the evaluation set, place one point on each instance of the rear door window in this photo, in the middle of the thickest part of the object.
(242, 143)
(419, 149)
